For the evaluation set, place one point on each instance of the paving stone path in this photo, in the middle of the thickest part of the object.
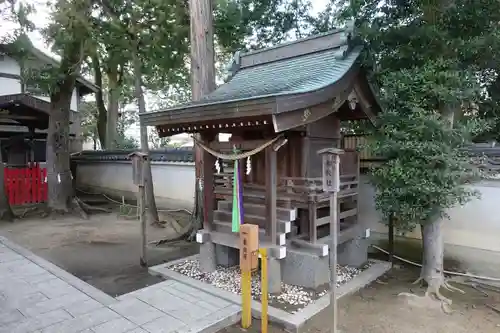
(37, 296)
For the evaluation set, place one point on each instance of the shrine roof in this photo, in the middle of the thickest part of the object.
(267, 78)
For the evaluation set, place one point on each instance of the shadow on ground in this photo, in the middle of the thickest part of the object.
(103, 251)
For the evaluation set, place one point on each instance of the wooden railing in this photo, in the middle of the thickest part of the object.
(297, 189)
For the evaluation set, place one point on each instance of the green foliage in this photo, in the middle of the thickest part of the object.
(88, 112)
(425, 167)
(431, 63)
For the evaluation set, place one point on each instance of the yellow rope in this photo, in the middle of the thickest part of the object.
(234, 157)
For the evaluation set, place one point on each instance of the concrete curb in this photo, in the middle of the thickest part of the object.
(292, 322)
(82, 286)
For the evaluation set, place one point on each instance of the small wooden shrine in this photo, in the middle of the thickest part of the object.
(281, 105)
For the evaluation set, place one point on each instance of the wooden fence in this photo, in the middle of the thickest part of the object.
(26, 185)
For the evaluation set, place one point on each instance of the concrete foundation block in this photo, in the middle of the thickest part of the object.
(274, 275)
(226, 256)
(207, 257)
(305, 269)
(353, 253)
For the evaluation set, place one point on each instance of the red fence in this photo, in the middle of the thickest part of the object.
(26, 185)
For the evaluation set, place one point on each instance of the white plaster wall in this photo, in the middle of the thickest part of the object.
(74, 100)
(173, 182)
(9, 86)
(471, 235)
(9, 66)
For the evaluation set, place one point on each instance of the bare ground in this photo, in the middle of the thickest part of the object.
(103, 251)
(378, 309)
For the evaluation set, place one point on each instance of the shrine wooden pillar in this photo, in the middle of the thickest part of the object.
(271, 193)
(208, 183)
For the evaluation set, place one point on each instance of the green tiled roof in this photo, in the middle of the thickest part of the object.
(303, 66)
(300, 74)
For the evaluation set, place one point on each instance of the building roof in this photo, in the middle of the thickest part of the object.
(179, 155)
(274, 80)
(86, 86)
(286, 77)
(25, 110)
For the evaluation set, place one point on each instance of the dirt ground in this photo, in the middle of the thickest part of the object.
(378, 309)
(103, 251)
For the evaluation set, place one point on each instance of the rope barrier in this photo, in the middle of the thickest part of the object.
(234, 157)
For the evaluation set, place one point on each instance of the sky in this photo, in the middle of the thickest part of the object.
(42, 17)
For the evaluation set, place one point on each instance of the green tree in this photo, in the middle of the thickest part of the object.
(428, 58)
(88, 114)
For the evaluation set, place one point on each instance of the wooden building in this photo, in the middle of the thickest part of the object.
(294, 95)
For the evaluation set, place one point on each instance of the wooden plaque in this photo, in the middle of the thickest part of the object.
(249, 247)
(331, 177)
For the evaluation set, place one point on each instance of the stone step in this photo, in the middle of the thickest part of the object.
(282, 213)
(261, 221)
(226, 227)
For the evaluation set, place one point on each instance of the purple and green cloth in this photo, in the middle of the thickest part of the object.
(237, 197)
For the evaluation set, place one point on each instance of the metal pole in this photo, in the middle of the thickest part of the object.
(333, 260)
(142, 219)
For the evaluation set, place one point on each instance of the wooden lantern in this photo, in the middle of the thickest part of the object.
(138, 161)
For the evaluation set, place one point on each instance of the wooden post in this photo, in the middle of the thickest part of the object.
(141, 103)
(202, 69)
(208, 184)
(331, 184)
(271, 197)
(142, 218)
(391, 239)
(264, 290)
(249, 247)
(139, 170)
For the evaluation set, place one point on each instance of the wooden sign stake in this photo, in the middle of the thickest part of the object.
(331, 184)
(249, 247)
(264, 291)
(138, 161)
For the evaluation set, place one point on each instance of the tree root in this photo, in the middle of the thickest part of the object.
(158, 224)
(451, 288)
(88, 208)
(418, 281)
(434, 292)
(76, 206)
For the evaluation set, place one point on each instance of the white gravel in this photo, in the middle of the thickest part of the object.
(292, 298)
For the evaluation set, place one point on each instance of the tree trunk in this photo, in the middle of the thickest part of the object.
(58, 156)
(113, 99)
(202, 74)
(432, 235)
(102, 117)
(433, 253)
(6, 213)
(152, 211)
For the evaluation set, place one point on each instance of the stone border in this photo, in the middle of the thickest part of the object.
(82, 286)
(292, 322)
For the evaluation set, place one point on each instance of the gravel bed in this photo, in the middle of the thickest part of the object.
(292, 298)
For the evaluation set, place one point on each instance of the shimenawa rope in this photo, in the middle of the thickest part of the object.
(234, 157)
